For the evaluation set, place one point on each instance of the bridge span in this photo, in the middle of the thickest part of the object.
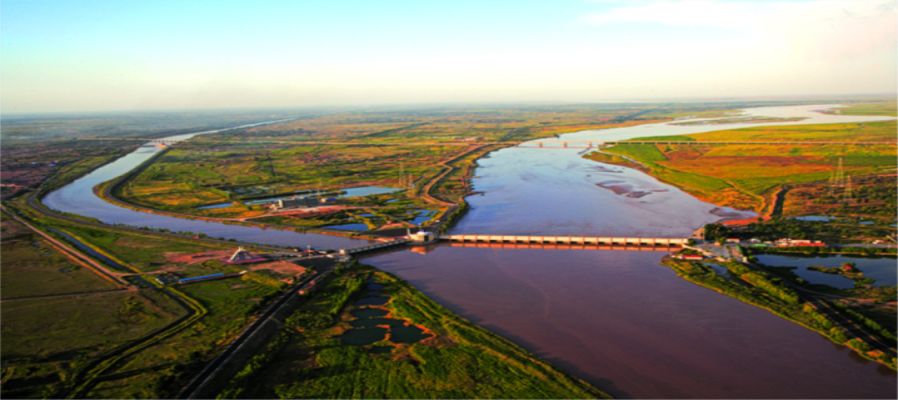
(568, 240)
(510, 246)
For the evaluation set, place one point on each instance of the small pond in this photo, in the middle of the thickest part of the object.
(883, 270)
(348, 227)
(367, 191)
(815, 218)
(371, 324)
(422, 217)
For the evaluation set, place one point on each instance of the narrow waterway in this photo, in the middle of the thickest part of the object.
(79, 198)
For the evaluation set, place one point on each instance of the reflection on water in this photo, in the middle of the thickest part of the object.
(371, 325)
(883, 271)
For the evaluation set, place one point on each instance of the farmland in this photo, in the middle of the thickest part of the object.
(749, 176)
(216, 176)
(47, 299)
(47, 347)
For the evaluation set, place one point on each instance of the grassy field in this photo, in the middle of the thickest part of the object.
(47, 338)
(746, 175)
(456, 360)
(889, 108)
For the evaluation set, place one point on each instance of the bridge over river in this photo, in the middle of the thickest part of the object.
(568, 240)
(527, 241)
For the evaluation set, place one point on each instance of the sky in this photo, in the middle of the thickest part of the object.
(88, 55)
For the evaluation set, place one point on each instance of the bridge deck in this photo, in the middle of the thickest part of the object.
(568, 240)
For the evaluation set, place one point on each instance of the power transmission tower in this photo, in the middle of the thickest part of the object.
(848, 192)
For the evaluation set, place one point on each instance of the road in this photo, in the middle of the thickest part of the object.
(207, 383)
(852, 327)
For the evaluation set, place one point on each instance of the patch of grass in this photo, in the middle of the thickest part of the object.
(33, 268)
(889, 108)
(460, 360)
(746, 175)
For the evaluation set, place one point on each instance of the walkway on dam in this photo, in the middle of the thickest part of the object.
(568, 240)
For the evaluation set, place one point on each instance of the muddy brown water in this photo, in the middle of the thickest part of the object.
(632, 327)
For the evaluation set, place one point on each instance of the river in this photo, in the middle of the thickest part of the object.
(615, 318)
(79, 198)
(618, 318)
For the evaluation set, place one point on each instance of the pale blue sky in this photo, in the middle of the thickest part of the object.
(72, 55)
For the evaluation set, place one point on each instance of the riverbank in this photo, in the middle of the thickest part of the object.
(414, 348)
(759, 289)
(752, 172)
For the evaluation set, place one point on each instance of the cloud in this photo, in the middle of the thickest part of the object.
(793, 31)
(739, 14)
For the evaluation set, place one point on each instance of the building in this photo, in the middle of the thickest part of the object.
(293, 202)
(798, 243)
(689, 256)
(241, 256)
(421, 236)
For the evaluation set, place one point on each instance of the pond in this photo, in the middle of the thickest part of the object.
(422, 217)
(348, 227)
(882, 270)
(815, 218)
(368, 191)
(370, 323)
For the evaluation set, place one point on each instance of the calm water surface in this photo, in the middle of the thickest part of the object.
(632, 327)
(883, 270)
(618, 318)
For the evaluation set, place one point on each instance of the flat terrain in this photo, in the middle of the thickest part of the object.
(57, 315)
(426, 156)
(748, 176)
(414, 348)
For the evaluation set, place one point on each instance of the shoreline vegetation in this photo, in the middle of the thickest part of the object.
(755, 287)
(313, 357)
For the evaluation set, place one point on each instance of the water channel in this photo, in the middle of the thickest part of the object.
(79, 198)
(615, 318)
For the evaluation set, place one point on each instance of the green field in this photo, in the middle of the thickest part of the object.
(889, 108)
(46, 340)
(457, 360)
(48, 337)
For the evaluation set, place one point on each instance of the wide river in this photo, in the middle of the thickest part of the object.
(615, 318)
